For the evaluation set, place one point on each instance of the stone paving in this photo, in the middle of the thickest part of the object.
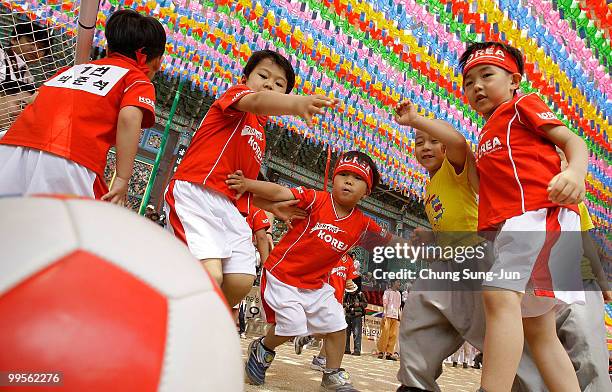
(291, 372)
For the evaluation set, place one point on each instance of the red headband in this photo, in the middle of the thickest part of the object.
(355, 166)
(493, 55)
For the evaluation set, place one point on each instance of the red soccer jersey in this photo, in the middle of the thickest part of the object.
(515, 161)
(307, 253)
(257, 219)
(344, 270)
(75, 113)
(227, 140)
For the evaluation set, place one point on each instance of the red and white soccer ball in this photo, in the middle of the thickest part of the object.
(110, 300)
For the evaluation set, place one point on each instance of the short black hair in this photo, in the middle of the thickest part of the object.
(514, 52)
(127, 31)
(13, 87)
(363, 157)
(34, 32)
(280, 60)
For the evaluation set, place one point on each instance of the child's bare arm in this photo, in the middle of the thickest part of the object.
(264, 189)
(470, 166)
(283, 210)
(128, 132)
(456, 147)
(263, 248)
(271, 103)
(568, 187)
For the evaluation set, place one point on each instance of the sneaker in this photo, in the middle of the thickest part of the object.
(381, 355)
(258, 361)
(318, 363)
(465, 365)
(338, 381)
(390, 358)
(299, 343)
(356, 353)
(454, 364)
(476, 366)
(243, 335)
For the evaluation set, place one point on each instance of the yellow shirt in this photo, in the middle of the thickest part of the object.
(451, 204)
(586, 224)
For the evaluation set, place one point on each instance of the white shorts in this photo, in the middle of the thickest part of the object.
(210, 225)
(299, 312)
(26, 171)
(538, 253)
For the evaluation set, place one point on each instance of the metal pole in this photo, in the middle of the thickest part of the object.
(162, 149)
(88, 14)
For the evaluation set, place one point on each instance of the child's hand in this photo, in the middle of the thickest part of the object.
(285, 211)
(566, 187)
(307, 106)
(237, 182)
(405, 113)
(607, 295)
(118, 192)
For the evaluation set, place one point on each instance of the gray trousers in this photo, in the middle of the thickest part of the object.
(582, 331)
(434, 325)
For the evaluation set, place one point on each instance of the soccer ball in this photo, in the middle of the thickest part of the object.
(109, 300)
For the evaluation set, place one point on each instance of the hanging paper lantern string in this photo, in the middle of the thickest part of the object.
(560, 40)
(370, 56)
(541, 86)
(535, 76)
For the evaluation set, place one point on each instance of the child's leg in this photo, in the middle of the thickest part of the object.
(236, 286)
(261, 354)
(272, 341)
(549, 355)
(334, 348)
(503, 343)
(323, 352)
(209, 224)
(215, 270)
(286, 316)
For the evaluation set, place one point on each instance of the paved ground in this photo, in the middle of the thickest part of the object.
(291, 372)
